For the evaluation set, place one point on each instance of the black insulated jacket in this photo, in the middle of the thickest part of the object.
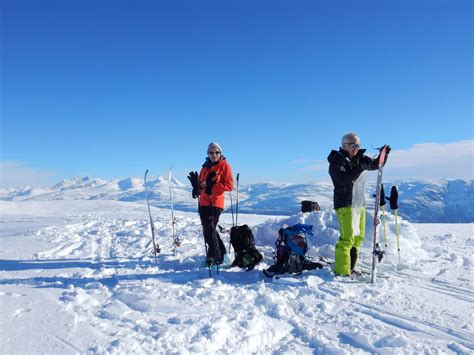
(345, 171)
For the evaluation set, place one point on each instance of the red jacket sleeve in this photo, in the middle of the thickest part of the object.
(226, 181)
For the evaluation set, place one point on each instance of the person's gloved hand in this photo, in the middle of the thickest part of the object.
(210, 182)
(387, 152)
(194, 179)
(387, 149)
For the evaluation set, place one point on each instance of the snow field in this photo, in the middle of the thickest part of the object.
(91, 282)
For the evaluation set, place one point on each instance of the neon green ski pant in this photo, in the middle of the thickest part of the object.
(351, 222)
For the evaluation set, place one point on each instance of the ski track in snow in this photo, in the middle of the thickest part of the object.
(97, 279)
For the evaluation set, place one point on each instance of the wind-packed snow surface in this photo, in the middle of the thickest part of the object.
(79, 276)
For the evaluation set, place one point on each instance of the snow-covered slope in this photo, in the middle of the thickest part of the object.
(448, 201)
(419, 201)
(79, 277)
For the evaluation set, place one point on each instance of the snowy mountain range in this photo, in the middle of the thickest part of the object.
(445, 201)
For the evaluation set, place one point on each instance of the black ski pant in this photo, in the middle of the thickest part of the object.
(209, 220)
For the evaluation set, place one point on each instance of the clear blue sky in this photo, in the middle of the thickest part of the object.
(111, 88)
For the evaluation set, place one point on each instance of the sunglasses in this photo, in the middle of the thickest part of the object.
(353, 145)
(214, 153)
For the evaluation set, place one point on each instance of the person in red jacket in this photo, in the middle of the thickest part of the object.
(214, 179)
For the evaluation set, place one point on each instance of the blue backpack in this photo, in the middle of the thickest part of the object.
(291, 247)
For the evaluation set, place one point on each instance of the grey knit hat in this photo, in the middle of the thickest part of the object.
(214, 145)
(350, 138)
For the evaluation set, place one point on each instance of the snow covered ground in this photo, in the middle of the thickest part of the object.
(79, 276)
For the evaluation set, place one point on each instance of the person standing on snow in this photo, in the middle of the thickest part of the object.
(347, 170)
(214, 179)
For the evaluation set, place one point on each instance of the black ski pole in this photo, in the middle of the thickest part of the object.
(237, 204)
(232, 209)
(233, 224)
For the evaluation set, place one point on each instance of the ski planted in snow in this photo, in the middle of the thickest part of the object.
(377, 252)
(156, 247)
(176, 241)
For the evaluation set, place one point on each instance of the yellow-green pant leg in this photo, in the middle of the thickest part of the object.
(358, 239)
(342, 261)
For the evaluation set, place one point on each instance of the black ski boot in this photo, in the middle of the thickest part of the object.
(354, 257)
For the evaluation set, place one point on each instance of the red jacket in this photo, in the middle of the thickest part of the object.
(224, 181)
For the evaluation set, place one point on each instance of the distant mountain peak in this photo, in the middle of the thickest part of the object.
(446, 201)
(79, 181)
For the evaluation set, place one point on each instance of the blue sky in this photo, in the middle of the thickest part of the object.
(111, 88)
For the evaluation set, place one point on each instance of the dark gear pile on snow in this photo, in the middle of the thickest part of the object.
(290, 251)
(243, 242)
(309, 206)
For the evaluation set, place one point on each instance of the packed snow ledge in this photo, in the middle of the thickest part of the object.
(79, 277)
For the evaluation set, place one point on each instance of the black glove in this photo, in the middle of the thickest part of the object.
(382, 196)
(393, 199)
(194, 179)
(210, 182)
(387, 152)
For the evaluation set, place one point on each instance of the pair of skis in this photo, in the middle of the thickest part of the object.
(176, 241)
(377, 252)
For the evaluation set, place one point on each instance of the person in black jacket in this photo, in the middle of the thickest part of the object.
(347, 168)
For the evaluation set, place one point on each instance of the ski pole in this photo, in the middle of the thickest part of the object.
(382, 204)
(233, 224)
(398, 239)
(237, 205)
(394, 207)
(232, 209)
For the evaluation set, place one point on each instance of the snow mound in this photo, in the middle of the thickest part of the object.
(326, 234)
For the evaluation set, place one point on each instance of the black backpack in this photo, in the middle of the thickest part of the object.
(243, 242)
